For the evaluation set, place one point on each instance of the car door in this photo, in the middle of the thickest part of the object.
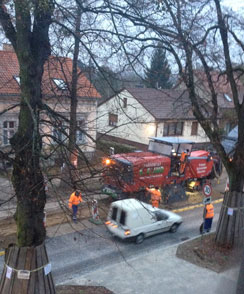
(160, 225)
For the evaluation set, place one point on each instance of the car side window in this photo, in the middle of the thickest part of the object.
(122, 217)
(160, 216)
(114, 213)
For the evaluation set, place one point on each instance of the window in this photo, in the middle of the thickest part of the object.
(160, 216)
(228, 127)
(80, 135)
(57, 131)
(17, 79)
(9, 128)
(194, 128)
(122, 217)
(173, 129)
(124, 102)
(227, 97)
(113, 119)
(114, 213)
(61, 85)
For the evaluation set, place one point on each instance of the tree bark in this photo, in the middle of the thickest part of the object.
(30, 40)
(231, 220)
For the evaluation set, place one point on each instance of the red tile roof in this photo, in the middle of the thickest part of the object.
(55, 67)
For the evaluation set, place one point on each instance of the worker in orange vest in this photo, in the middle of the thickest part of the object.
(74, 200)
(183, 159)
(156, 196)
(208, 214)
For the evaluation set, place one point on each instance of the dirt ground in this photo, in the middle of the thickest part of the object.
(203, 252)
(8, 226)
(67, 289)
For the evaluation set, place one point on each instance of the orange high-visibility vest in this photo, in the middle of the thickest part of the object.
(155, 197)
(182, 162)
(74, 200)
(183, 156)
(209, 211)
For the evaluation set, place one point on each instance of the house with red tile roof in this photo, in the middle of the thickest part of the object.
(56, 86)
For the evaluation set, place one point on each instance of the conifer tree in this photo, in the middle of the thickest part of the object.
(158, 74)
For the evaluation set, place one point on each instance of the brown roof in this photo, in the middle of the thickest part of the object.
(221, 85)
(220, 81)
(54, 68)
(164, 104)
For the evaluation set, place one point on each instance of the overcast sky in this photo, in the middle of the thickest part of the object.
(235, 4)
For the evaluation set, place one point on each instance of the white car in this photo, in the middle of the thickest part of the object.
(131, 218)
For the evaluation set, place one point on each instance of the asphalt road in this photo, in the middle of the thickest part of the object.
(75, 254)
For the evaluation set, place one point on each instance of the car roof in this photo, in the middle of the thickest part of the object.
(132, 204)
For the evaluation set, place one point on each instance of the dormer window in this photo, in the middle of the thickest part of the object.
(61, 85)
(227, 97)
(17, 79)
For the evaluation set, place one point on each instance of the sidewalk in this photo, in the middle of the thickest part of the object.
(160, 272)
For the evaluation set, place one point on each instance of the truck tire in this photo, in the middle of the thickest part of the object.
(140, 238)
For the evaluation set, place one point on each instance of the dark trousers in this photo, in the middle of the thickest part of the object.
(74, 208)
(208, 224)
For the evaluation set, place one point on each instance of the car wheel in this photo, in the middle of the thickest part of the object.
(139, 239)
(174, 228)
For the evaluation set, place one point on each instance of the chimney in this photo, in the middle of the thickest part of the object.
(8, 47)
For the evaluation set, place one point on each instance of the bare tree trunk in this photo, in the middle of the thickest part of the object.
(230, 228)
(30, 40)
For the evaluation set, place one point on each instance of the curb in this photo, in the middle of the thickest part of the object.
(195, 206)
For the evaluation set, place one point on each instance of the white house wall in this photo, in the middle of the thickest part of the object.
(135, 123)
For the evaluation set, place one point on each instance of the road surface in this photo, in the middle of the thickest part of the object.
(75, 254)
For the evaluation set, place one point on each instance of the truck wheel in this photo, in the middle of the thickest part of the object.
(140, 238)
(174, 228)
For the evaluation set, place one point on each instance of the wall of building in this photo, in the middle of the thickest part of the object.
(201, 137)
(134, 124)
(86, 110)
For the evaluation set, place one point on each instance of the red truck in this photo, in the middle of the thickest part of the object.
(169, 163)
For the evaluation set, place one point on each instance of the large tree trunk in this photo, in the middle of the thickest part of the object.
(27, 176)
(30, 40)
(231, 220)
